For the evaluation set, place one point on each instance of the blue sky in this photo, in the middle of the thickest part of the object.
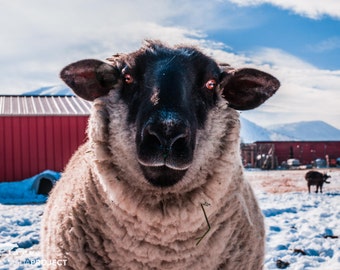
(298, 41)
(316, 41)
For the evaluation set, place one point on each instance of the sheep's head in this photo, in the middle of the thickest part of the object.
(325, 177)
(168, 93)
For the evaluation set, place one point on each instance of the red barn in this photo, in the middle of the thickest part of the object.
(271, 154)
(39, 133)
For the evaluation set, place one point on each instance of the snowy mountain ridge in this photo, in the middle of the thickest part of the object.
(250, 131)
(312, 130)
(55, 90)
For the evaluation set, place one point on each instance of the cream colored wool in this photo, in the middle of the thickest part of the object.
(103, 214)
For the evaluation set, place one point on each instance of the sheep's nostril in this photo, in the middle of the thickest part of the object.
(151, 138)
(180, 141)
(164, 139)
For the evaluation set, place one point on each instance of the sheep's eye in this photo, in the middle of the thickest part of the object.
(128, 78)
(211, 84)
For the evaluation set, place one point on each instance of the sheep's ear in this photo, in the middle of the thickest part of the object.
(247, 88)
(90, 78)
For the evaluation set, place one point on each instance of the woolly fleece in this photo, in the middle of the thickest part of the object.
(103, 214)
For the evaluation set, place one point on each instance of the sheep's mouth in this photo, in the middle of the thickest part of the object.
(162, 176)
(169, 161)
(164, 170)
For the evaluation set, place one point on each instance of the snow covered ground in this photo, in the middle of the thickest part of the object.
(302, 229)
(19, 236)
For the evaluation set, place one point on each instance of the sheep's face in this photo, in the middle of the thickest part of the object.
(169, 93)
(325, 177)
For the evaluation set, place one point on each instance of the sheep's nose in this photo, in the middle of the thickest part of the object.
(166, 135)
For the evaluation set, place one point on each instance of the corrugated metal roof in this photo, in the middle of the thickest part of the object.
(43, 105)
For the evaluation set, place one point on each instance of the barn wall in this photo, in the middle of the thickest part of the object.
(305, 151)
(31, 144)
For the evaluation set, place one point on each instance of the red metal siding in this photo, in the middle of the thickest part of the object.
(31, 144)
(305, 151)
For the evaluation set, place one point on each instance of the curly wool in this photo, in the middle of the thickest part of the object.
(103, 214)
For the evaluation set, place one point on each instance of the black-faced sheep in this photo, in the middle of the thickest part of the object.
(162, 163)
(317, 179)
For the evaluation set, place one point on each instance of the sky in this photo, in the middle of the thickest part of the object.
(296, 41)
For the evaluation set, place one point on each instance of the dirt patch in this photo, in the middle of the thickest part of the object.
(282, 186)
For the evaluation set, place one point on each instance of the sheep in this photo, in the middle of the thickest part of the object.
(159, 184)
(317, 179)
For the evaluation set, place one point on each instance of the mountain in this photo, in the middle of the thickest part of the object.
(55, 90)
(307, 131)
(250, 132)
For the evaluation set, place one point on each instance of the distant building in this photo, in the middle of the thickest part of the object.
(39, 133)
(271, 154)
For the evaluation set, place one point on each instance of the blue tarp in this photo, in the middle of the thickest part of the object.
(26, 191)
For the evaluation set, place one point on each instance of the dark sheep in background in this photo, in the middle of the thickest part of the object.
(162, 164)
(317, 179)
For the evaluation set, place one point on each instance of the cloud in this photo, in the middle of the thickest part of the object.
(306, 93)
(43, 37)
(329, 44)
(278, 58)
(314, 9)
